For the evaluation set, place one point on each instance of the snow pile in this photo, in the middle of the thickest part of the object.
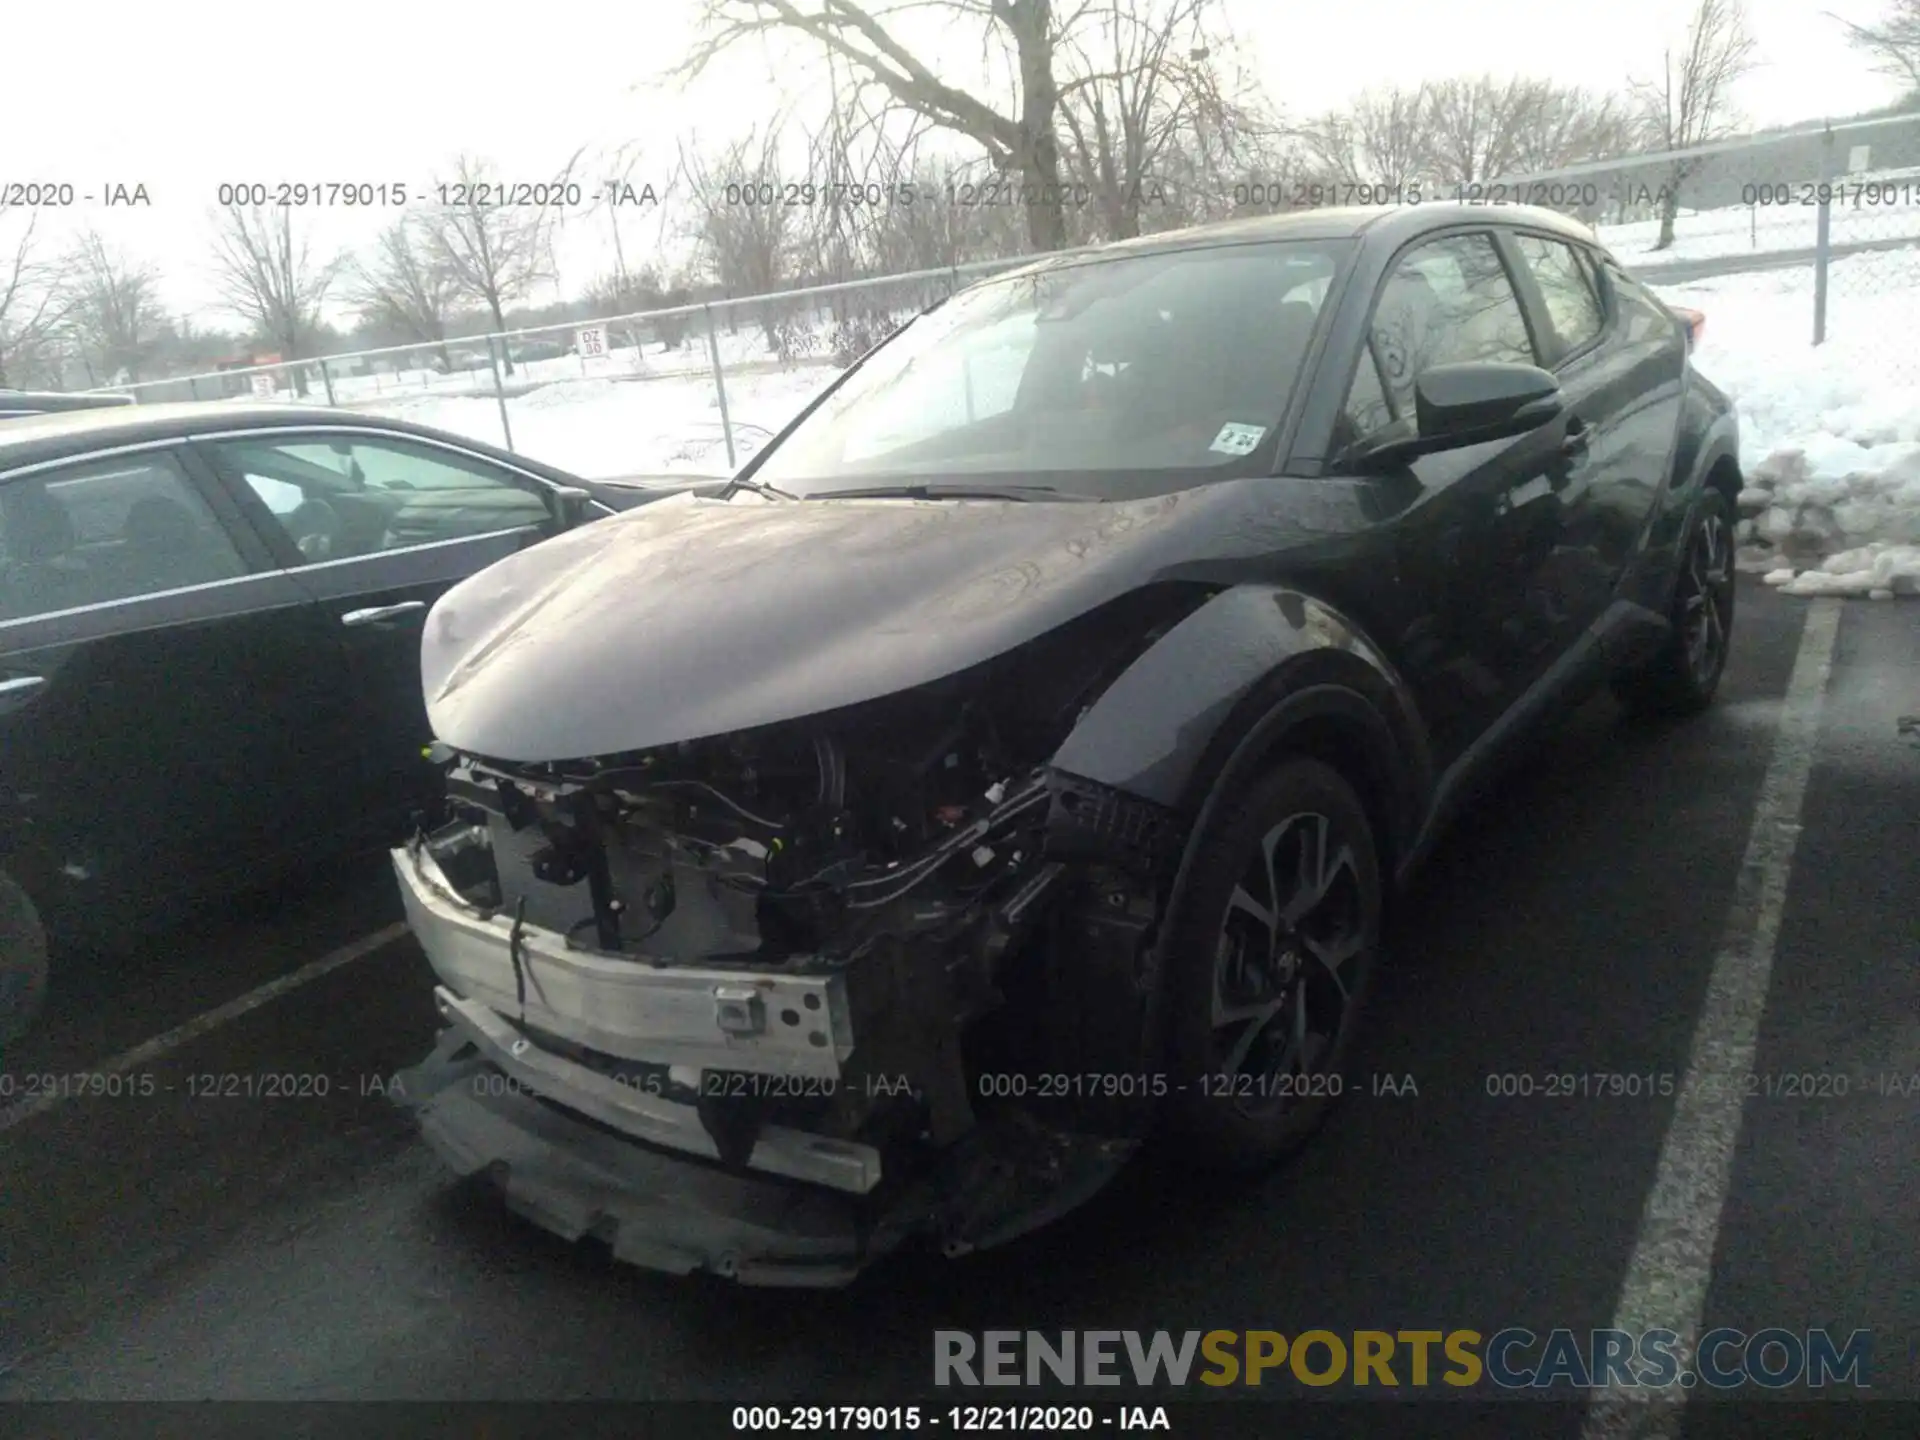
(1849, 513)
(1829, 434)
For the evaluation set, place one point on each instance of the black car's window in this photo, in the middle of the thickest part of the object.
(1567, 287)
(344, 496)
(1367, 410)
(1642, 317)
(1120, 376)
(1447, 301)
(106, 530)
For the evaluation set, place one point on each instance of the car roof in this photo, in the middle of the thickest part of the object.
(32, 438)
(39, 402)
(1392, 224)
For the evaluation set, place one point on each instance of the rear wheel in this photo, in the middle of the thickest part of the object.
(1268, 966)
(1683, 676)
(23, 961)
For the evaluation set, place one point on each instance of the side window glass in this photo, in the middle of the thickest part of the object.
(1367, 410)
(338, 498)
(1572, 306)
(1641, 316)
(1446, 302)
(106, 530)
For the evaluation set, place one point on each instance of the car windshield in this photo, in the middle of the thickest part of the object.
(1110, 378)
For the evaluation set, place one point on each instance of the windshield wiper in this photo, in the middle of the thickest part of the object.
(955, 492)
(758, 487)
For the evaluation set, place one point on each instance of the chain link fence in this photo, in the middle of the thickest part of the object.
(695, 388)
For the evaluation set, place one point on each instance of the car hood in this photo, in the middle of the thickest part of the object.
(693, 617)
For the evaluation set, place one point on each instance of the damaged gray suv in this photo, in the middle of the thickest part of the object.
(1013, 766)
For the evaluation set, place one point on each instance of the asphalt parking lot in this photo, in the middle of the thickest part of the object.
(1602, 908)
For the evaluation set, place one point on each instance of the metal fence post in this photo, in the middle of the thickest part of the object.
(193, 387)
(326, 379)
(1823, 231)
(719, 383)
(500, 394)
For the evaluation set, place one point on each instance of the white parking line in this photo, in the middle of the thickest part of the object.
(1666, 1280)
(148, 1050)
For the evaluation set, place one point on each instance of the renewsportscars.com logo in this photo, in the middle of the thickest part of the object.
(1509, 1359)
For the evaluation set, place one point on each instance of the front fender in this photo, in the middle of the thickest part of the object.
(1709, 435)
(1167, 729)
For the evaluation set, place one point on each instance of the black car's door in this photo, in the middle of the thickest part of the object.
(167, 692)
(1620, 373)
(1472, 528)
(377, 527)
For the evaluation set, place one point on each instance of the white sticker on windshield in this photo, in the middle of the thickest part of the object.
(1237, 439)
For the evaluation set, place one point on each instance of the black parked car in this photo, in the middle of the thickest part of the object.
(16, 403)
(895, 859)
(210, 621)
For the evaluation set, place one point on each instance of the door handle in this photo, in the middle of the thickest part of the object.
(22, 684)
(381, 612)
(1579, 437)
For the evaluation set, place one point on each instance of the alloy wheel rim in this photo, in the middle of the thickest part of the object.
(1283, 977)
(1706, 604)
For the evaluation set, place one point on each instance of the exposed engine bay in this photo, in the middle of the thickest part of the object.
(887, 952)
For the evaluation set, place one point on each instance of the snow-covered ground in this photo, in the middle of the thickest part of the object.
(604, 429)
(1829, 434)
(747, 346)
(1892, 211)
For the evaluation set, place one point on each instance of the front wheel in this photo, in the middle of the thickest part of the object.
(1683, 676)
(23, 961)
(1268, 964)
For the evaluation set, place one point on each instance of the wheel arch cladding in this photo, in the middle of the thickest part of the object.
(1258, 671)
(1709, 452)
(1723, 474)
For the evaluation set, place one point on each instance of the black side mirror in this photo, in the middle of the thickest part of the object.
(1469, 404)
(575, 505)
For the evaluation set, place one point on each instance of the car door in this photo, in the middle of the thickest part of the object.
(1474, 526)
(1621, 384)
(376, 526)
(165, 688)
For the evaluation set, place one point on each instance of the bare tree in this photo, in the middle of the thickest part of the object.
(1476, 129)
(1378, 140)
(1894, 43)
(494, 254)
(116, 320)
(402, 288)
(745, 232)
(1569, 126)
(34, 295)
(1691, 102)
(623, 188)
(1233, 130)
(270, 278)
(1135, 81)
(1022, 138)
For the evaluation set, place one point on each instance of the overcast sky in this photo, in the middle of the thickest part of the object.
(181, 98)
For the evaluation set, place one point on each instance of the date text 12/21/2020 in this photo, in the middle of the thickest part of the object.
(962, 1419)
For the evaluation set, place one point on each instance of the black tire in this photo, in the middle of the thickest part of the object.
(1682, 678)
(23, 961)
(1246, 1094)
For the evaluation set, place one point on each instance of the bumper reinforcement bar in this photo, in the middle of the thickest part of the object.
(840, 1164)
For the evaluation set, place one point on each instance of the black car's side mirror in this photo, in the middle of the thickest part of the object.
(1469, 404)
(575, 505)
